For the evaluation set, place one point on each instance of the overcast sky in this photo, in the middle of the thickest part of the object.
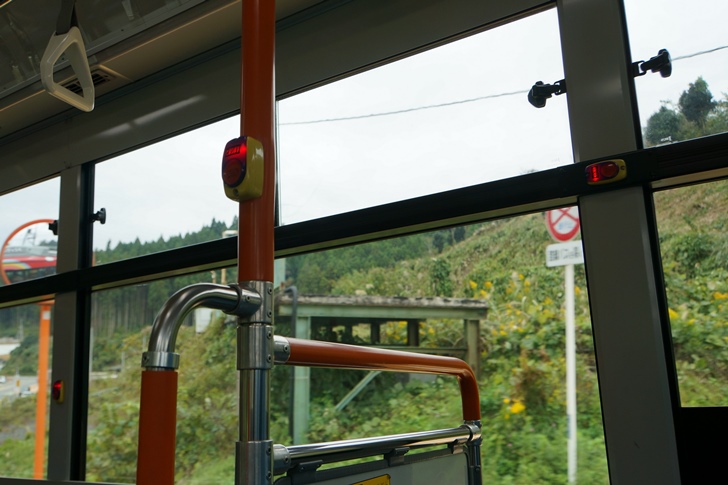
(481, 133)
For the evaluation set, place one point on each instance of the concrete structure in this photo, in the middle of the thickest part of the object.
(323, 314)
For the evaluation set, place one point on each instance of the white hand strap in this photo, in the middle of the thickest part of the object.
(71, 44)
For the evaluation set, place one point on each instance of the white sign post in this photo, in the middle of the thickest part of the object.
(563, 225)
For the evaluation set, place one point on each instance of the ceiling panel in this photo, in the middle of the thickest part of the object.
(125, 40)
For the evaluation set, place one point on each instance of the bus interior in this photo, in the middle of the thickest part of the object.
(373, 292)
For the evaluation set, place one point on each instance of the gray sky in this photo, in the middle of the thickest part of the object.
(337, 166)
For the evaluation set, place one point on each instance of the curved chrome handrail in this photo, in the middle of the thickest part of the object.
(231, 299)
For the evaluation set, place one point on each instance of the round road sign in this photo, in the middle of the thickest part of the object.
(563, 224)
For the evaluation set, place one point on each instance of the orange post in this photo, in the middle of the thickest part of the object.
(42, 396)
(314, 353)
(257, 98)
(157, 428)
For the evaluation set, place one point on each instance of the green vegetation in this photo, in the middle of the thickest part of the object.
(696, 114)
(522, 383)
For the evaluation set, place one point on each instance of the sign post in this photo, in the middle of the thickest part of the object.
(563, 225)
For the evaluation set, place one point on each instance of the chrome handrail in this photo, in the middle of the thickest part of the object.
(284, 457)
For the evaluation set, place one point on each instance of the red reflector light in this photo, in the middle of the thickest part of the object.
(234, 161)
(233, 171)
(242, 169)
(607, 171)
(57, 391)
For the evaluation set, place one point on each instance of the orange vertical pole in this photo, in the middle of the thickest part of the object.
(157, 427)
(253, 452)
(42, 396)
(257, 98)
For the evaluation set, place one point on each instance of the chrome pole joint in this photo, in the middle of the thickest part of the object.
(281, 349)
(233, 299)
(255, 356)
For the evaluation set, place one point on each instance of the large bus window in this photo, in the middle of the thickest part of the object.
(692, 102)
(466, 291)
(692, 226)
(121, 321)
(27, 243)
(24, 389)
(165, 195)
(450, 117)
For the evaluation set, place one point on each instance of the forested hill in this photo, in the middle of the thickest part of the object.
(126, 250)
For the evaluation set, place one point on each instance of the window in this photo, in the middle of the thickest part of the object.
(692, 226)
(25, 336)
(491, 302)
(121, 320)
(165, 196)
(491, 278)
(29, 245)
(692, 102)
(450, 117)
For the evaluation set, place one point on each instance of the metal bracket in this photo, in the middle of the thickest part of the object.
(66, 17)
(255, 347)
(255, 460)
(264, 313)
(396, 456)
(540, 92)
(100, 216)
(661, 63)
(281, 349)
(249, 301)
(304, 472)
(281, 459)
(160, 360)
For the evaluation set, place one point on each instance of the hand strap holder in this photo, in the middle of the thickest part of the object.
(70, 43)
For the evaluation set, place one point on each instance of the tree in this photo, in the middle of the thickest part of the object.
(697, 102)
(697, 114)
(440, 277)
(662, 126)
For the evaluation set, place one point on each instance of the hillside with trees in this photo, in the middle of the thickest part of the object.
(695, 114)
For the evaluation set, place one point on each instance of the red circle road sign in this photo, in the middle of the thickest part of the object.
(563, 224)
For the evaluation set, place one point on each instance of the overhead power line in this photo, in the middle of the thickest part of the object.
(460, 101)
(407, 110)
(696, 54)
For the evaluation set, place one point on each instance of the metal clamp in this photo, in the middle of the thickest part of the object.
(160, 360)
(255, 459)
(281, 459)
(255, 347)
(249, 301)
(475, 428)
(264, 312)
(281, 349)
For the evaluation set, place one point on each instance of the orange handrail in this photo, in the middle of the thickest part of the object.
(313, 353)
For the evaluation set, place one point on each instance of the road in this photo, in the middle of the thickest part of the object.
(11, 389)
